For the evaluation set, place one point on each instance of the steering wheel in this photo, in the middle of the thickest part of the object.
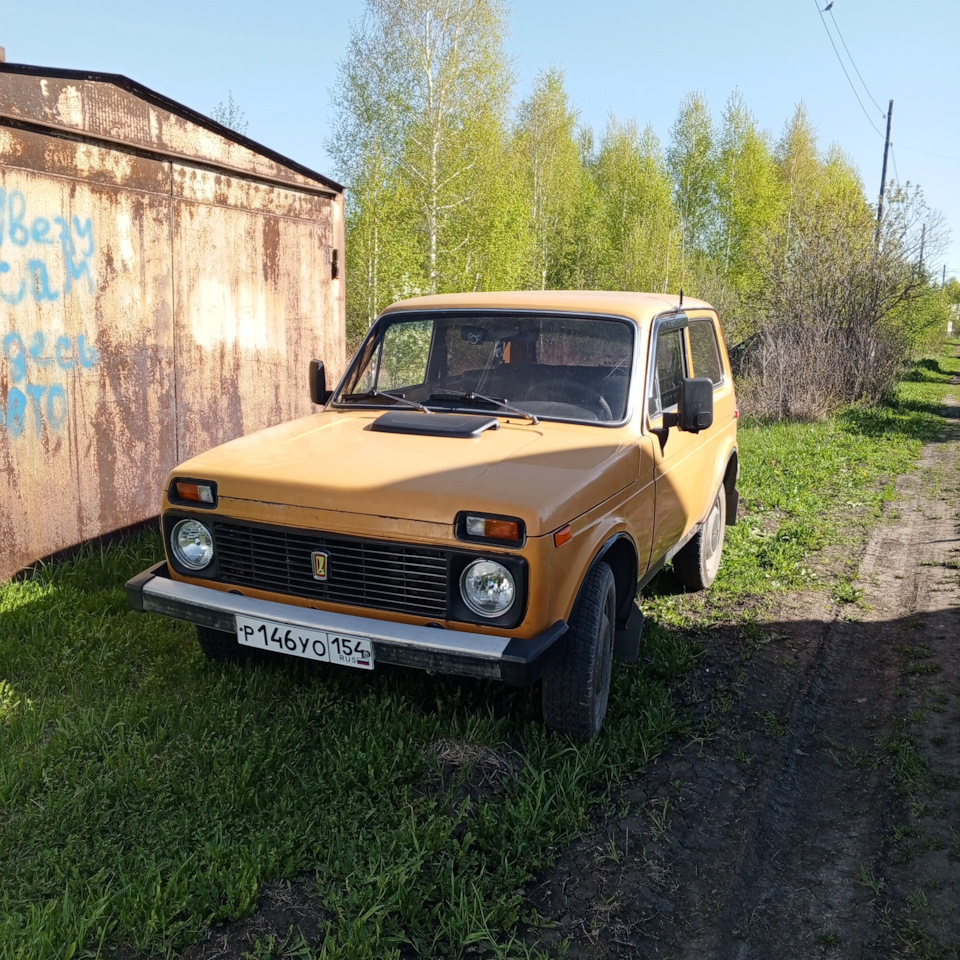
(568, 390)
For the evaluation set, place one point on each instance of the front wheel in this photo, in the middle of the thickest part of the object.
(696, 565)
(576, 690)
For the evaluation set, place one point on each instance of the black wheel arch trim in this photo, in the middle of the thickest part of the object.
(624, 578)
(730, 477)
(524, 662)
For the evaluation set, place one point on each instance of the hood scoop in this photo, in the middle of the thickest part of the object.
(434, 424)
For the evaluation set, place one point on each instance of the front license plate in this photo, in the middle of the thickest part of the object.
(348, 651)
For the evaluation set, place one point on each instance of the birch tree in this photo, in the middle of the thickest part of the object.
(691, 162)
(419, 76)
(797, 158)
(546, 140)
(639, 221)
(749, 198)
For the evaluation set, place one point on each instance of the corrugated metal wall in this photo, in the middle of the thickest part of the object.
(162, 289)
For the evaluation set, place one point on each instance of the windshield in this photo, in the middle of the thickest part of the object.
(560, 367)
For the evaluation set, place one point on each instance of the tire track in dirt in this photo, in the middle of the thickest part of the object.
(772, 839)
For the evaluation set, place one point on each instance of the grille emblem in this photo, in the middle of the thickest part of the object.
(320, 564)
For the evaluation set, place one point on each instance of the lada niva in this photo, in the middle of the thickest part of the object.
(484, 493)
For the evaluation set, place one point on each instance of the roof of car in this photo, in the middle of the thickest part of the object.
(642, 307)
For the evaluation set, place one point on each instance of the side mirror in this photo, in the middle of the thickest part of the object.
(319, 393)
(695, 406)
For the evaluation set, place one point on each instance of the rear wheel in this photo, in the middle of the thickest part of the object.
(696, 565)
(220, 645)
(576, 690)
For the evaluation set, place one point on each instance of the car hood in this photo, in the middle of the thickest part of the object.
(546, 474)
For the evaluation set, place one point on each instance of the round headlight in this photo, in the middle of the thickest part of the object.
(192, 544)
(488, 588)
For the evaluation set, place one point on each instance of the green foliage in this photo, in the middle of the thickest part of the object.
(382, 255)
(447, 193)
(636, 216)
(749, 200)
(420, 141)
(549, 160)
(691, 160)
(924, 321)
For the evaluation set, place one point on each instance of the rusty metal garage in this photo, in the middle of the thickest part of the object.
(164, 282)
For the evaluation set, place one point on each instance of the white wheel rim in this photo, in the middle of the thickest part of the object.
(714, 537)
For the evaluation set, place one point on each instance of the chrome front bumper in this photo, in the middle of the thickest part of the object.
(465, 653)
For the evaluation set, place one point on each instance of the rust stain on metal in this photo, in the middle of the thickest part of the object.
(150, 305)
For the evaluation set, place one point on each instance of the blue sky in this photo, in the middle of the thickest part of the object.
(635, 60)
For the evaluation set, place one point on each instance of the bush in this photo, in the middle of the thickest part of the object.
(841, 311)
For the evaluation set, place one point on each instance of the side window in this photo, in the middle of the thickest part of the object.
(704, 351)
(668, 372)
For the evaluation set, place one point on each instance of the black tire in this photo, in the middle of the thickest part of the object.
(576, 690)
(221, 646)
(696, 565)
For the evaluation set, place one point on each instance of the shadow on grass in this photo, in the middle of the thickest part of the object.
(913, 413)
(911, 419)
(928, 370)
(665, 584)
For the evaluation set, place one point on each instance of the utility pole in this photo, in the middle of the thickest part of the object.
(883, 176)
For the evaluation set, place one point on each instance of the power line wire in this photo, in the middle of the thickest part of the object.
(842, 67)
(845, 47)
(938, 134)
(896, 172)
(930, 153)
(932, 133)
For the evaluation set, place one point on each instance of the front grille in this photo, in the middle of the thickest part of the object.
(362, 573)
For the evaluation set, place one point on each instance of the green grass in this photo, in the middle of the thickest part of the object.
(145, 793)
(810, 487)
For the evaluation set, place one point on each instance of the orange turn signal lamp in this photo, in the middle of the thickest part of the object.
(563, 535)
(195, 492)
(492, 529)
(497, 530)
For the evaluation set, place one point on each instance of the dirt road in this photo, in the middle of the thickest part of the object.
(820, 813)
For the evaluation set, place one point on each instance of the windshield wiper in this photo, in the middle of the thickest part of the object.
(398, 397)
(479, 397)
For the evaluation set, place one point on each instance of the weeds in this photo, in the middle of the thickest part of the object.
(866, 877)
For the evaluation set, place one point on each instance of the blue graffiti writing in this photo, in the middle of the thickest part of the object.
(66, 353)
(42, 407)
(43, 273)
(47, 404)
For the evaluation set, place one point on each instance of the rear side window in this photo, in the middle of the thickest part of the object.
(704, 351)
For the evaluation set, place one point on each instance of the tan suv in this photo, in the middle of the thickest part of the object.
(483, 494)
